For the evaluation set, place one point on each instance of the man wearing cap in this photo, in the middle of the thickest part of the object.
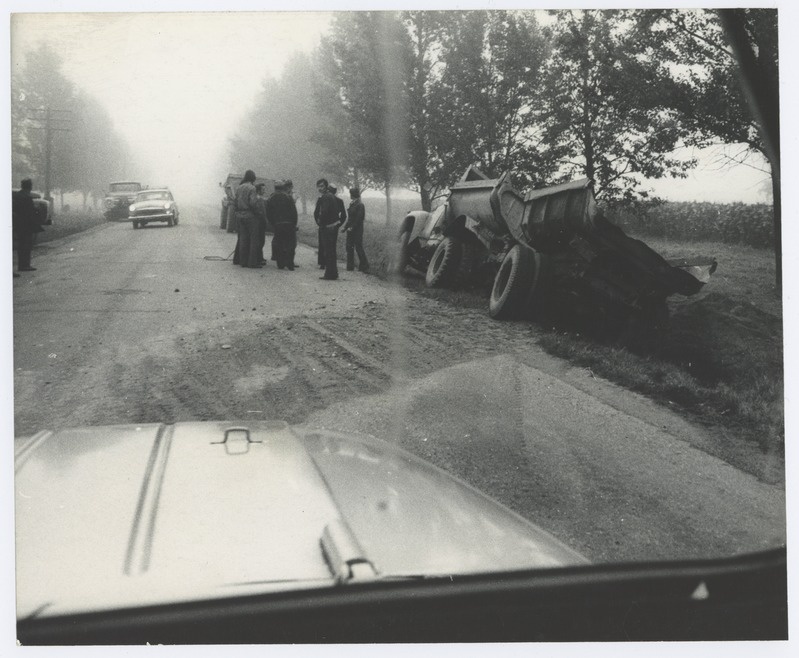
(353, 228)
(249, 250)
(282, 215)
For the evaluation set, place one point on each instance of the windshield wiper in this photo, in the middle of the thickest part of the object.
(344, 556)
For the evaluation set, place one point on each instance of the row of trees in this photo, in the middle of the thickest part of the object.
(60, 136)
(413, 98)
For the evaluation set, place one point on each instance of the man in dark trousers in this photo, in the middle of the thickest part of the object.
(353, 228)
(249, 249)
(282, 215)
(260, 190)
(24, 224)
(321, 187)
(329, 223)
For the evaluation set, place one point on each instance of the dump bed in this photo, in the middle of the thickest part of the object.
(564, 220)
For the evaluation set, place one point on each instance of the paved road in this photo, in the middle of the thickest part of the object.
(124, 326)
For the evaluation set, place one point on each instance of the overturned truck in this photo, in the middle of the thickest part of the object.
(545, 249)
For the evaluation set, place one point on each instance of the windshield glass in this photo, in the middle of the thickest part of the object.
(153, 196)
(498, 241)
(125, 187)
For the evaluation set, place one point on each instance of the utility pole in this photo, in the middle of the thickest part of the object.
(50, 118)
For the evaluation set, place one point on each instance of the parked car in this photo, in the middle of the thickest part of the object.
(545, 245)
(218, 532)
(118, 199)
(42, 206)
(154, 205)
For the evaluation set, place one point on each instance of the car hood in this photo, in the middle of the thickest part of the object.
(132, 515)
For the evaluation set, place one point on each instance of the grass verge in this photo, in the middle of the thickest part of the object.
(720, 359)
(68, 223)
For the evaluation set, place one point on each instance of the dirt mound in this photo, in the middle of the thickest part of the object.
(718, 338)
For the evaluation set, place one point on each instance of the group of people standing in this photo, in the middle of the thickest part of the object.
(254, 212)
(331, 217)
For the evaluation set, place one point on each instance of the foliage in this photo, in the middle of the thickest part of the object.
(276, 137)
(482, 104)
(364, 63)
(701, 70)
(732, 223)
(85, 151)
(599, 124)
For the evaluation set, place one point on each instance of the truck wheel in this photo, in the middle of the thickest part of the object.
(135, 224)
(399, 255)
(170, 222)
(444, 263)
(465, 270)
(540, 287)
(512, 284)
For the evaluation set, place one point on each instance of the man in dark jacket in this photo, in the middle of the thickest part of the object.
(329, 223)
(260, 190)
(321, 188)
(24, 224)
(282, 215)
(353, 228)
(249, 246)
(342, 211)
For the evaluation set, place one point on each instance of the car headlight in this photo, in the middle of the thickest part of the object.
(167, 206)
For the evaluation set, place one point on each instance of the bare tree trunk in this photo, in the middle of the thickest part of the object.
(427, 202)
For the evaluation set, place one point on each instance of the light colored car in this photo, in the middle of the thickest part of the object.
(154, 205)
(218, 532)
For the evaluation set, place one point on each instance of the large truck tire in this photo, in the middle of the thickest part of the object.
(444, 264)
(540, 291)
(512, 284)
(398, 259)
(464, 274)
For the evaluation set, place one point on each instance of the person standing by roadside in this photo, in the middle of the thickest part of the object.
(24, 225)
(321, 188)
(329, 223)
(353, 228)
(289, 185)
(342, 211)
(260, 189)
(247, 216)
(282, 215)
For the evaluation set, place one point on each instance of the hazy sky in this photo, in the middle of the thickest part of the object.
(173, 84)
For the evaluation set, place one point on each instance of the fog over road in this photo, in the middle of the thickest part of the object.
(123, 326)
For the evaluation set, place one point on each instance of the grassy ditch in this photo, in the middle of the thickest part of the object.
(67, 223)
(720, 358)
